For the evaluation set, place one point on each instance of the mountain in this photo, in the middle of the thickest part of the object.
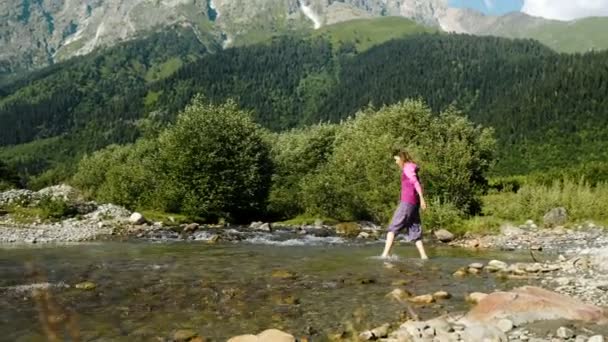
(563, 36)
(37, 33)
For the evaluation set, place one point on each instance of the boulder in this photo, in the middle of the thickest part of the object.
(137, 218)
(528, 304)
(444, 235)
(484, 332)
(191, 228)
(565, 333)
(555, 217)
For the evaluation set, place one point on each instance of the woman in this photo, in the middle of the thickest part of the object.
(407, 215)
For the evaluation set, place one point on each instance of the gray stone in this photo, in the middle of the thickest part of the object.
(476, 265)
(596, 338)
(137, 218)
(510, 230)
(444, 235)
(555, 217)
(564, 332)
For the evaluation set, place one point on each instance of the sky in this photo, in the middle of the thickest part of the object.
(551, 9)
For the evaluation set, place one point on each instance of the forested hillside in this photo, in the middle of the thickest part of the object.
(549, 110)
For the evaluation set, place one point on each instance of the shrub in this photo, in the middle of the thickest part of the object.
(297, 154)
(215, 163)
(360, 181)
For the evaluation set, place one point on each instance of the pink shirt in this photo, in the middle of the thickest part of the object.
(410, 186)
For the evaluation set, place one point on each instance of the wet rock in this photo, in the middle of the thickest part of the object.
(442, 295)
(534, 268)
(213, 239)
(476, 265)
(460, 273)
(137, 218)
(472, 270)
(444, 235)
(283, 274)
(184, 335)
(422, 299)
(399, 295)
(476, 297)
(86, 285)
(596, 338)
(381, 331)
(555, 217)
(348, 229)
(364, 235)
(564, 332)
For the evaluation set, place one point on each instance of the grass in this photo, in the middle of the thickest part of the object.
(366, 33)
(167, 219)
(164, 70)
(579, 36)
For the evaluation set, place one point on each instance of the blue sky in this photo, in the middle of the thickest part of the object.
(495, 7)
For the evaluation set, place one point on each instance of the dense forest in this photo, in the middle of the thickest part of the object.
(549, 110)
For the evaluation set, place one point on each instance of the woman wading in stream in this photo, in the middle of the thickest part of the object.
(407, 215)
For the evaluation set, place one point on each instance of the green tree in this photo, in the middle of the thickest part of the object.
(8, 177)
(216, 163)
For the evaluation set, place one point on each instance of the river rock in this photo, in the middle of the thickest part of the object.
(422, 299)
(596, 338)
(86, 285)
(399, 295)
(274, 335)
(476, 297)
(486, 333)
(476, 265)
(505, 325)
(564, 332)
(442, 295)
(511, 230)
(555, 217)
(137, 218)
(529, 304)
(348, 229)
(500, 265)
(460, 273)
(191, 228)
(444, 235)
(283, 274)
(270, 335)
(381, 331)
(184, 335)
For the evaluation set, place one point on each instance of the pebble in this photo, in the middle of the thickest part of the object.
(505, 325)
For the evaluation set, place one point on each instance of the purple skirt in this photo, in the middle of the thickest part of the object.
(407, 216)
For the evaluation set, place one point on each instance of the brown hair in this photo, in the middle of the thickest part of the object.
(404, 155)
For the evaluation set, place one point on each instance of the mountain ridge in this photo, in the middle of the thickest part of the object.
(39, 33)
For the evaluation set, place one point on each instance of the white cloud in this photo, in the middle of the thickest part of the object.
(566, 9)
(489, 4)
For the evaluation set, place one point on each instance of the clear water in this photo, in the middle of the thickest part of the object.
(147, 290)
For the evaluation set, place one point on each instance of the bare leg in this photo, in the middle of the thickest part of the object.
(421, 250)
(390, 237)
